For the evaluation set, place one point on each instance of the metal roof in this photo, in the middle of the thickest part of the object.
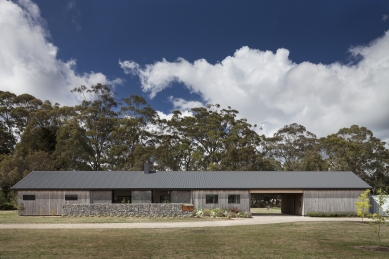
(56, 180)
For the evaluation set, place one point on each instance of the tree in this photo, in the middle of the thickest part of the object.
(356, 149)
(363, 204)
(211, 139)
(72, 151)
(133, 138)
(295, 148)
(97, 116)
(14, 168)
(379, 218)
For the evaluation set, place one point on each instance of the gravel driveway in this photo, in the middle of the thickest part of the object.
(255, 220)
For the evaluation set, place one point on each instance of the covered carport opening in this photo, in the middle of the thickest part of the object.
(289, 201)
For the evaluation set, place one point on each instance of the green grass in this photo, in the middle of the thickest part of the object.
(289, 240)
(266, 211)
(11, 217)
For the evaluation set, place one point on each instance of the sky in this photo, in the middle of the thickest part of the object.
(321, 64)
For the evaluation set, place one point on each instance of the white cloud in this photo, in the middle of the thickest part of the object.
(384, 17)
(268, 88)
(28, 61)
(184, 105)
(169, 116)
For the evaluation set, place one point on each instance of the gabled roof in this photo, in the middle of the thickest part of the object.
(110, 180)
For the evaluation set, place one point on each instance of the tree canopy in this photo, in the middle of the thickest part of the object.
(106, 133)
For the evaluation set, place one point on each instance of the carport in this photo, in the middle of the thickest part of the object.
(292, 201)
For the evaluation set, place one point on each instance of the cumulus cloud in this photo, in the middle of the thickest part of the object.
(271, 90)
(28, 61)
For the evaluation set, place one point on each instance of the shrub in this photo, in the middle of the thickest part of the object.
(196, 211)
(247, 215)
(219, 212)
(235, 210)
(7, 206)
(331, 214)
(199, 213)
(206, 212)
(231, 214)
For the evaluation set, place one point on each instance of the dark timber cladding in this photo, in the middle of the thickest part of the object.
(44, 193)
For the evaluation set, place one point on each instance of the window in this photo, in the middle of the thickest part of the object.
(71, 197)
(233, 198)
(29, 197)
(124, 199)
(164, 199)
(211, 198)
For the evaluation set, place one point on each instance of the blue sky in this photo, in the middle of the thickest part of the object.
(323, 64)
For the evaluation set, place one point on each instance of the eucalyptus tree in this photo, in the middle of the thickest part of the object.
(295, 148)
(357, 150)
(15, 114)
(211, 139)
(14, 168)
(133, 137)
(97, 116)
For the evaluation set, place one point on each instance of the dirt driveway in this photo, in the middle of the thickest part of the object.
(256, 220)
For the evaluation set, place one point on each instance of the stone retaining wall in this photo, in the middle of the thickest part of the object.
(126, 210)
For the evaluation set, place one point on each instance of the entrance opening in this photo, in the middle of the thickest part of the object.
(273, 202)
(265, 203)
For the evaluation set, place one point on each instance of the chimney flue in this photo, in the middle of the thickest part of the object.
(146, 168)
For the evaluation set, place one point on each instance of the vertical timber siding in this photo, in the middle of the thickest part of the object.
(198, 198)
(49, 202)
(141, 197)
(330, 200)
(101, 196)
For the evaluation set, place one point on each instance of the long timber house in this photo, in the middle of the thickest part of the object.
(45, 192)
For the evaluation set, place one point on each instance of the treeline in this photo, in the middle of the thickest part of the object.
(104, 133)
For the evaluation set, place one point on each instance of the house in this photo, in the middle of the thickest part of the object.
(45, 192)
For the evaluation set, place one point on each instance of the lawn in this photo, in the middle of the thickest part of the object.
(11, 217)
(266, 211)
(289, 240)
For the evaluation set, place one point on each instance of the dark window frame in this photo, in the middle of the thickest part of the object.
(29, 197)
(233, 198)
(211, 199)
(71, 197)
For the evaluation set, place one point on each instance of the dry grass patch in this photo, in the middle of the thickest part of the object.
(290, 240)
(265, 211)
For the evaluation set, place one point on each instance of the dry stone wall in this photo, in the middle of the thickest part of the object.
(126, 210)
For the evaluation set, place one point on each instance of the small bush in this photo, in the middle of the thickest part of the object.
(7, 206)
(235, 210)
(331, 214)
(247, 215)
(199, 213)
(231, 214)
(219, 212)
(206, 212)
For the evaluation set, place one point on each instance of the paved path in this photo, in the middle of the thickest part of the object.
(256, 220)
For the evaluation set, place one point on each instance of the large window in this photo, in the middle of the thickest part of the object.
(71, 197)
(233, 198)
(124, 199)
(211, 198)
(29, 197)
(164, 199)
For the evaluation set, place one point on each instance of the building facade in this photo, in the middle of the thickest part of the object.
(44, 193)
